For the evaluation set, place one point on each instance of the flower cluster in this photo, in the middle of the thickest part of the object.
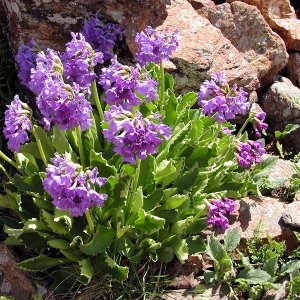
(122, 83)
(217, 99)
(102, 36)
(258, 123)
(134, 137)
(155, 46)
(72, 189)
(48, 67)
(79, 60)
(64, 105)
(25, 58)
(218, 211)
(17, 123)
(249, 152)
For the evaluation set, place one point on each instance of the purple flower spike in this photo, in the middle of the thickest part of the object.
(249, 152)
(64, 105)
(72, 189)
(218, 211)
(134, 137)
(258, 123)
(217, 99)
(17, 123)
(79, 60)
(25, 58)
(122, 83)
(48, 65)
(102, 36)
(155, 46)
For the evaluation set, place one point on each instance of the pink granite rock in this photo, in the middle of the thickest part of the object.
(281, 17)
(247, 30)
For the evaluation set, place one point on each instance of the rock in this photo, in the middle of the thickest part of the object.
(247, 30)
(265, 213)
(13, 282)
(281, 102)
(293, 68)
(203, 49)
(50, 22)
(281, 17)
(210, 293)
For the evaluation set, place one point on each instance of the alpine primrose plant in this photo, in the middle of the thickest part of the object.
(101, 183)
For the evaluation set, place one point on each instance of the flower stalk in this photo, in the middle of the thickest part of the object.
(80, 146)
(96, 98)
(39, 145)
(7, 159)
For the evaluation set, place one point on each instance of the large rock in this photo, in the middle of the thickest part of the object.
(282, 104)
(247, 30)
(281, 17)
(13, 282)
(50, 22)
(293, 68)
(204, 49)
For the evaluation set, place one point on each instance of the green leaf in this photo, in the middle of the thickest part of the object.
(164, 169)
(105, 169)
(232, 239)
(187, 101)
(31, 148)
(290, 266)
(29, 183)
(175, 201)
(170, 108)
(215, 249)
(60, 141)
(254, 276)
(45, 141)
(100, 241)
(58, 224)
(148, 223)
(181, 250)
(137, 200)
(109, 266)
(41, 263)
(86, 271)
(147, 170)
(195, 245)
(59, 244)
(271, 265)
(9, 201)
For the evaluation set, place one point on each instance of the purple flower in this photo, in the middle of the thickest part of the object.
(217, 99)
(249, 152)
(134, 137)
(102, 36)
(79, 60)
(48, 65)
(25, 58)
(258, 123)
(64, 105)
(122, 83)
(155, 46)
(71, 188)
(218, 211)
(17, 123)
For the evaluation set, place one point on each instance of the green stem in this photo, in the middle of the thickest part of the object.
(95, 96)
(6, 173)
(40, 147)
(7, 159)
(90, 221)
(243, 127)
(136, 176)
(162, 86)
(80, 146)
